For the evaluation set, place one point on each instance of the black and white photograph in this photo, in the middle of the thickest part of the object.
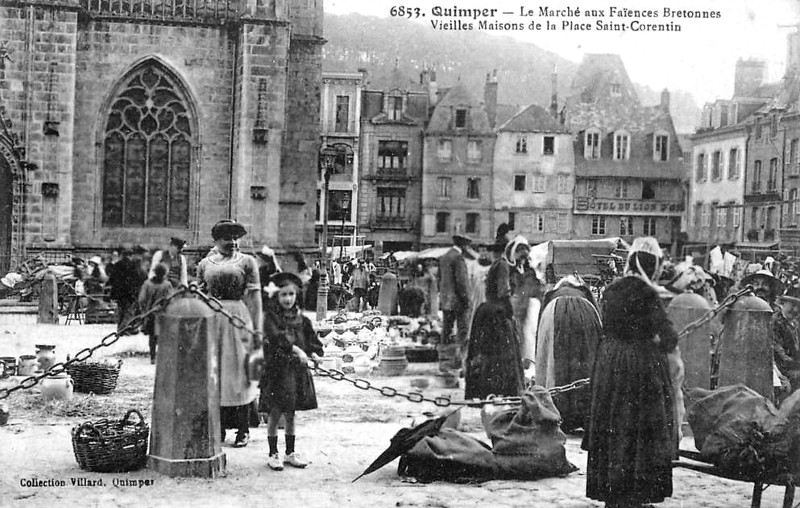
(313, 253)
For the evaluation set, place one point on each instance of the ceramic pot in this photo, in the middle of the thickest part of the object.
(59, 386)
(46, 356)
(27, 365)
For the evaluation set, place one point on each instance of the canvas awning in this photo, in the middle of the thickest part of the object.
(570, 256)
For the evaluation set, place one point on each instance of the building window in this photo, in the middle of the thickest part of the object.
(563, 222)
(443, 185)
(473, 188)
(758, 130)
(757, 176)
(147, 153)
(621, 190)
(445, 150)
(551, 222)
(772, 183)
(622, 149)
(522, 144)
(342, 113)
(442, 222)
(461, 118)
(591, 188)
(706, 216)
(794, 164)
(339, 205)
(661, 147)
(649, 226)
(616, 89)
(754, 218)
(733, 164)
(319, 197)
(395, 108)
(598, 224)
(392, 154)
(698, 212)
(591, 148)
(773, 126)
(474, 154)
(519, 182)
(563, 184)
(538, 222)
(473, 223)
(548, 145)
(512, 221)
(722, 215)
(715, 166)
(391, 202)
(737, 215)
(791, 206)
(626, 226)
(538, 183)
(700, 168)
(648, 190)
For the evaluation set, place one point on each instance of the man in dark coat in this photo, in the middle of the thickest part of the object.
(454, 299)
(125, 280)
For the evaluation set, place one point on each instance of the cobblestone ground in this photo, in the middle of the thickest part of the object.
(341, 438)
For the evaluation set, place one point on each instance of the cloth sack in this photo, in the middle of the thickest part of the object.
(740, 431)
(527, 441)
(450, 455)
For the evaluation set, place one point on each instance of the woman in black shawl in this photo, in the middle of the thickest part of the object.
(631, 434)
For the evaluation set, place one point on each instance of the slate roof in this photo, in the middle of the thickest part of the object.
(532, 118)
(457, 97)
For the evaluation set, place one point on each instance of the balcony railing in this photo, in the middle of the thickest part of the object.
(202, 11)
(390, 222)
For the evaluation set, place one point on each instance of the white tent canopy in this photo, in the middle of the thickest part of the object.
(348, 251)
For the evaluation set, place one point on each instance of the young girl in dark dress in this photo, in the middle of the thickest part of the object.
(287, 386)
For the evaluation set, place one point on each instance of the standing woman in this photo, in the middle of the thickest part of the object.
(232, 277)
(631, 434)
(494, 365)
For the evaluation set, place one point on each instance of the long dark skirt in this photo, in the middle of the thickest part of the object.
(569, 331)
(630, 435)
(494, 363)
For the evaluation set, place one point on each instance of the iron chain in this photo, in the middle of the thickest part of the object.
(84, 354)
(712, 313)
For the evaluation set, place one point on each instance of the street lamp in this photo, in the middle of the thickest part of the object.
(327, 157)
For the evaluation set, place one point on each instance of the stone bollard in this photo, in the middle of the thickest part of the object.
(387, 296)
(745, 350)
(48, 300)
(695, 348)
(185, 436)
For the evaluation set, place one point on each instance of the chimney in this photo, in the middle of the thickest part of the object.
(793, 51)
(665, 100)
(554, 93)
(433, 89)
(749, 76)
(490, 97)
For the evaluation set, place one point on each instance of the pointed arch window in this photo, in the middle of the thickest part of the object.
(147, 153)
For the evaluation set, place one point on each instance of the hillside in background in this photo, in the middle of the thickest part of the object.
(523, 69)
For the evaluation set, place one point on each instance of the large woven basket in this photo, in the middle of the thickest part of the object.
(94, 377)
(108, 446)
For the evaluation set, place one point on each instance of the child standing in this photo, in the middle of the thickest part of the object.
(287, 386)
(152, 291)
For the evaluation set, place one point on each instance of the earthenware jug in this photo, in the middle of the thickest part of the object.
(46, 356)
(59, 386)
(27, 365)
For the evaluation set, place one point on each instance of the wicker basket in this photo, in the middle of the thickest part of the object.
(94, 377)
(107, 446)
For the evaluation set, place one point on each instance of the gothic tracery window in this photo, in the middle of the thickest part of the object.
(147, 153)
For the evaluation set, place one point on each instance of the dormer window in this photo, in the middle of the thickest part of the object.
(591, 147)
(461, 119)
(661, 147)
(394, 110)
(622, 146)
(616, 89)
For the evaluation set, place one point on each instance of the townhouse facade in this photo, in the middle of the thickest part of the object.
(392, 124)
(533, 176)
(628, 162)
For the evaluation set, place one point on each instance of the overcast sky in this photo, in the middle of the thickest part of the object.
(699, 59)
